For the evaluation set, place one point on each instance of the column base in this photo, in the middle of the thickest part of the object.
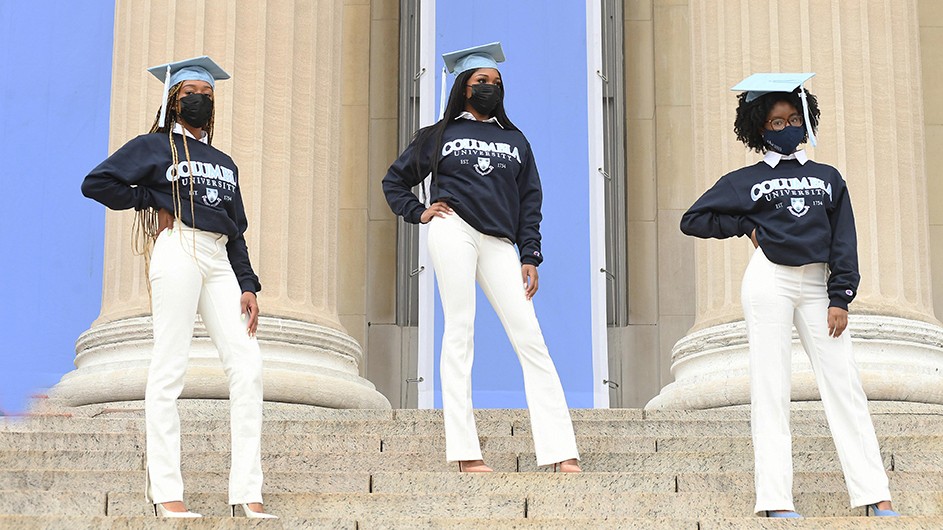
(898, 359)
(303, 363)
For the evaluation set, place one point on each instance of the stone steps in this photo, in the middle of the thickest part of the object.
(663, 462)
(218, 409)
(655, 429)
(466, 484)
(600, 506)
(133, 481)
(638, 523)
(206, 442)
(590, 483)
(824, 523)
(386, 469)
(214, 415)
(101, 522)
(226, 523)
(650, 444)
(220, 441)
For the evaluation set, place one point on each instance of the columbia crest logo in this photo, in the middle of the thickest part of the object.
(797, 206)
(212, 197)
(484, 166)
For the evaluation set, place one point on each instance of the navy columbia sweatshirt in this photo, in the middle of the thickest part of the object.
(140, 174)
(801, 212)
(486, 174)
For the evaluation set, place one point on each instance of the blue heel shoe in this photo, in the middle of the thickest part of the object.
(783, 515)
(872, 509)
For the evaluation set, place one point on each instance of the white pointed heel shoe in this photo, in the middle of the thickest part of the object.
(252, 515)
(160, 511)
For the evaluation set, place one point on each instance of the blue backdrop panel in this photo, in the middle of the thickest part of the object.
(545, 80)
(54, 99)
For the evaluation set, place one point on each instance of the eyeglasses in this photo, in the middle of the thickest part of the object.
(779, 124)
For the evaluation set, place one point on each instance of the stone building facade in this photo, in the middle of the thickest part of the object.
(311, 119)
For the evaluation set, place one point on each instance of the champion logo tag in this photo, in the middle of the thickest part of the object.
(536, 253)
(849, 292)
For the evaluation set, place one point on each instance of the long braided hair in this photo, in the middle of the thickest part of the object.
(145, 226)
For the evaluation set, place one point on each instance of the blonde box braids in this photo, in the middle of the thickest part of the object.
(145, 226)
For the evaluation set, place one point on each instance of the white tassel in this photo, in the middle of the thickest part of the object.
(427, 182)
(805, 116)
(442, 100)
(163, 105)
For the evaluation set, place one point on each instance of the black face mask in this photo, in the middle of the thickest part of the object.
(196, 109)
(485, 97)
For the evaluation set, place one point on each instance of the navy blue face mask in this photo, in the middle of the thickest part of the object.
(785, 141)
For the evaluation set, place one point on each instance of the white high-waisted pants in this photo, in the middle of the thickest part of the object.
(182, 285)
(460, 254)
(774, 298)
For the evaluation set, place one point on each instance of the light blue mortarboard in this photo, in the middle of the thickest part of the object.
(195, 69)
(484, 56)
(760, 84)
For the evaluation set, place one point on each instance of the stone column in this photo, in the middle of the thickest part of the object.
(279, 118)
(867, 63)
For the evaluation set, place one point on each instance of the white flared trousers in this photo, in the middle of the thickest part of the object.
(460, 254)
(182, 284)
(774, 298)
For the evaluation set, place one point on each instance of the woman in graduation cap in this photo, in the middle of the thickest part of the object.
(190, 225)
(486, 199)
(803, 272)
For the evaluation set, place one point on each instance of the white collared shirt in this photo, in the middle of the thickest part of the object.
(469, 116)
(772, 158)
(179, 129)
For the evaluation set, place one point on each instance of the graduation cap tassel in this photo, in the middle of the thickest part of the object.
(442, 103)
(163, 105)
(805, 116)
(442, 100)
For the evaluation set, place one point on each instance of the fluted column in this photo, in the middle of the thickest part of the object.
(279, 118)
(867, 63)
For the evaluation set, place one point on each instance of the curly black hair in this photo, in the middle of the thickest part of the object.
(752, 116)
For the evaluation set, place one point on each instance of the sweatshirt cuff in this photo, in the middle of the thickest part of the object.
(747, 226)
(142, 199)
(415, 215)
(532, 257)
(838, 302)
(250, 286)
(838, 297)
